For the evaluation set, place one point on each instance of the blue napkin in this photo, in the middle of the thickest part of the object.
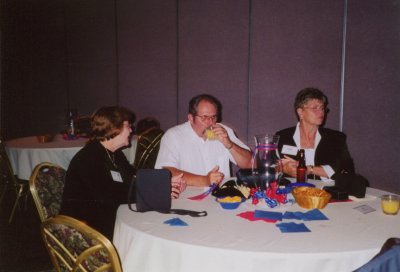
(293, 215)
(268, 215)
(311, 215)
(292, 227)
(176, 222)
(314, 215)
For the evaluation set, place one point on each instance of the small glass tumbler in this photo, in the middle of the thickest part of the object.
(390, 204)
(211, 136)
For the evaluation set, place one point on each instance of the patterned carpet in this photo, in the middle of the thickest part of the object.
(21, 245)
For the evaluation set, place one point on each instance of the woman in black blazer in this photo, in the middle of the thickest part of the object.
(326, 149)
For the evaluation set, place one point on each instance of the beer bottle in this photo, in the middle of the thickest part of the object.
(301, 168)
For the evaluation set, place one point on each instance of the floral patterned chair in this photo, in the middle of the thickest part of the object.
(46, 184)
(74, 246)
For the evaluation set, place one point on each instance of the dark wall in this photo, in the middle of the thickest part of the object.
(255, 55)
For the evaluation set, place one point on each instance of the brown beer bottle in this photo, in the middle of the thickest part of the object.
(301, 168)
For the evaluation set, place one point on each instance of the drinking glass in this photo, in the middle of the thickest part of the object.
(390, 204)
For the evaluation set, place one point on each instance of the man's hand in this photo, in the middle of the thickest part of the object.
(214, 176)
(222, 135)
(178, 185)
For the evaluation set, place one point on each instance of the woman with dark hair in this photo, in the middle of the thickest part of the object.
(325, 149)
(99, 175)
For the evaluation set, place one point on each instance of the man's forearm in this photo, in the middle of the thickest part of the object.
(191, 179)
(242, 156)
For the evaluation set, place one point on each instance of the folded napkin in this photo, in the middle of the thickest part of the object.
(292, 227)
(250, 216)
(175, 222)
(268, 215)
(311, 215)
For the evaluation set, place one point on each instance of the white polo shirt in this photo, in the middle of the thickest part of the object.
(183, 149)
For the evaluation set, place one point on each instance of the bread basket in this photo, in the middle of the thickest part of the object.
(311, 198)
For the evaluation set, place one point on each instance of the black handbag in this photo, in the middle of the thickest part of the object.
(354, 184)
(151, 189)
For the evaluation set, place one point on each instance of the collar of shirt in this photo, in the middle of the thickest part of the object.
(296, 137)
(192, 133)
(309, 152)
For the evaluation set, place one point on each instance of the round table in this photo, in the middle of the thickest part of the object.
(222, 241)
(27, 152)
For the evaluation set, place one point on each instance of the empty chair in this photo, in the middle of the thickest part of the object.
(147, 148)
(83, 126)
(4, 181)
(47, 184)
(74, 246)
(8, 179)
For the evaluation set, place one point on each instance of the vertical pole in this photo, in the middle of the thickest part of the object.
(342, 75)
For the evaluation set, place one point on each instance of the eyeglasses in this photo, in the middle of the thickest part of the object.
(206, 117)
(316, 108)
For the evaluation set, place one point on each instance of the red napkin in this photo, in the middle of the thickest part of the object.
(338, 201)
(250, 216)
(206, 193)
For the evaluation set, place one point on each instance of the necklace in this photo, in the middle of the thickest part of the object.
(112, 159)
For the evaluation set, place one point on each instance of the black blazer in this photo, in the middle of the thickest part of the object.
(332, 149)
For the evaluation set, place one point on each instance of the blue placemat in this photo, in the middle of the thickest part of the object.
(292, 227)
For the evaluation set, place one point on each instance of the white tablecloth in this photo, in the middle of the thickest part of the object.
(223, 241)
(25, 153)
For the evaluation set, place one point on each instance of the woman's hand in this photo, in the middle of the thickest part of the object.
(289, 166)
(178, 185)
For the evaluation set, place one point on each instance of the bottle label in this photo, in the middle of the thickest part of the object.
(301, 175)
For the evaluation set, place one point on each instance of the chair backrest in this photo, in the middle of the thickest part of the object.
(74, 246)
(6, 172)
(147, 149)
(47, 185)
(83, 125)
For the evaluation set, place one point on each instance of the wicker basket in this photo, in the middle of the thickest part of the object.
(311, 198)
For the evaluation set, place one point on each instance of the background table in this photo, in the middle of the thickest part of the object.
(223, 241)
(25, 153)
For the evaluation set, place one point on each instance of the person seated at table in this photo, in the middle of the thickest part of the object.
(99, 175)
(326, 150)
(146, 124)
(202, 148)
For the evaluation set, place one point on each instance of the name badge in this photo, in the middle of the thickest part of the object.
(116, 176)
(289, 150)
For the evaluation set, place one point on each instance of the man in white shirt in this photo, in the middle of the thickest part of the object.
(186, 149)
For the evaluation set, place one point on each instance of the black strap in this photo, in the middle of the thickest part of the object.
(187, 212)
(177, 211)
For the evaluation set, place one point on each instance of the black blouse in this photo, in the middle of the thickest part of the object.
(90, 193)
